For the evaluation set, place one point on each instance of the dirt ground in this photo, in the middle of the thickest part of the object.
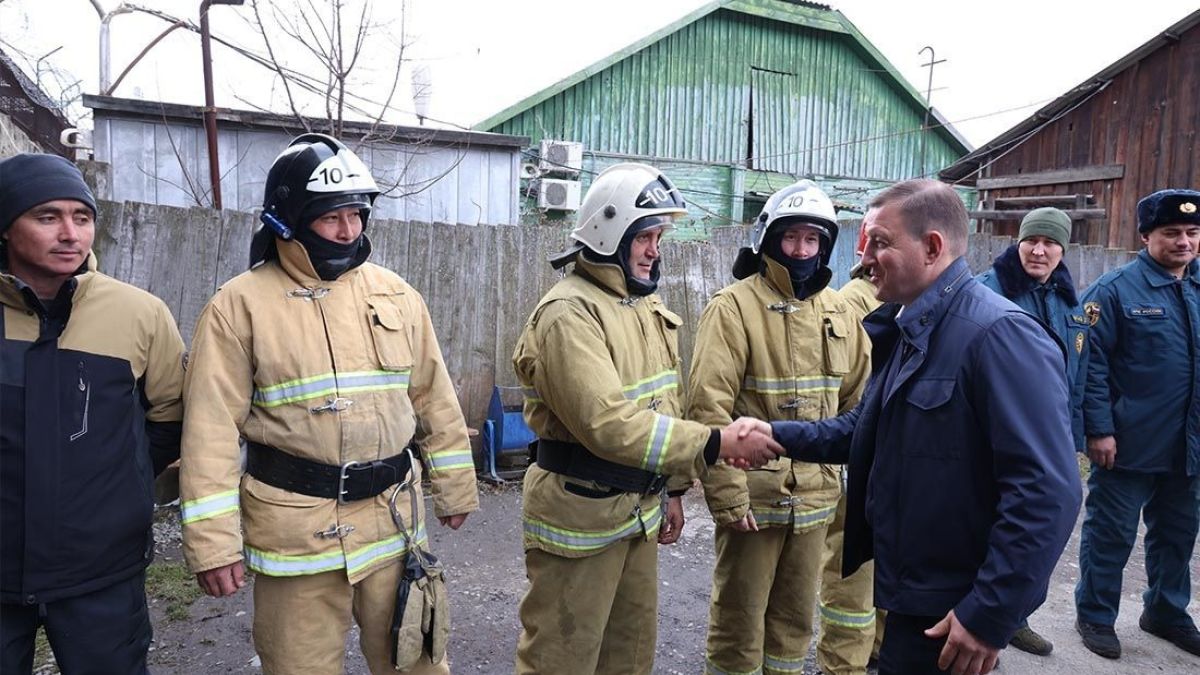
(486, 577)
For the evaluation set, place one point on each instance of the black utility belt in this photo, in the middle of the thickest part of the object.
(346, 483)
(575, 461)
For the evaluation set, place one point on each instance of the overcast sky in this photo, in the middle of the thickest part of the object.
(483, 55)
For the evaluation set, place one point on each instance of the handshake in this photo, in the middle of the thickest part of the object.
(748, 443)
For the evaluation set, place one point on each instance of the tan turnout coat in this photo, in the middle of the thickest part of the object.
(331, 371)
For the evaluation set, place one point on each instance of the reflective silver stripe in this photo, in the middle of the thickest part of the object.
(387, 548)
(208, 507)
(451, 459)
(798, 519)
(664, 381)
(319, 386)
(764, 516)
(815, 517)
(781, 664)
(277, 565)
(711, 668)
(848, 619)
(591, 541)
(656, 445)
(788, 385)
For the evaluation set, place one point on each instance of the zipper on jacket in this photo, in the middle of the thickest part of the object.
(85, 389)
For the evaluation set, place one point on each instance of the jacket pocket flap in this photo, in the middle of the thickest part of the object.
(671, 318)
(930, 394)
(386, 314)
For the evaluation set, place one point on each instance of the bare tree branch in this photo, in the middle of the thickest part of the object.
(272, 61)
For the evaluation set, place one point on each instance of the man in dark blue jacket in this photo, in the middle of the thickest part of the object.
(963, 485)
(1033, 275)
(1141, 413)
(91, 375)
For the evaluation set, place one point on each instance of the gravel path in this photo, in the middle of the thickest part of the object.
(486, 576)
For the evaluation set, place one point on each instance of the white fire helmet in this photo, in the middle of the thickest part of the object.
(802, 202)
(620, 195)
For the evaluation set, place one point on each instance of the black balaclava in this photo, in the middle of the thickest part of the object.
(801, 271)
(330, 259)
(634, 285)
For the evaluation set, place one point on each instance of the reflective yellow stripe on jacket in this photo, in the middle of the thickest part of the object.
(574, 540)
(208, 507)
(278, 565)
(329, 384)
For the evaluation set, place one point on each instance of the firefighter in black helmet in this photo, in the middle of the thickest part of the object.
(328, 367)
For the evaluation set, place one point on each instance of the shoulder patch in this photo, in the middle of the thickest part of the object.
(1092, 311)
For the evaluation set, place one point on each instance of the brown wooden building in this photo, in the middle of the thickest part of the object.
(1123, 133)
(29, 120)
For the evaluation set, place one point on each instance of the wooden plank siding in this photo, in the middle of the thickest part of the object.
(1145, 120)
(480, 283)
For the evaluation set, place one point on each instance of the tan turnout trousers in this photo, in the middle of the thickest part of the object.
(300, 623)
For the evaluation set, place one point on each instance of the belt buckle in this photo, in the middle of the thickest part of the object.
(656, 484)
(343, 476)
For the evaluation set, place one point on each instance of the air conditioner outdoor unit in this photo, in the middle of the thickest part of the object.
(561, 158)
(558, 195)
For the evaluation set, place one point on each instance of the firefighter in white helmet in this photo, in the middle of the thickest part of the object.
(599, 362)
(327, 367)
(776, 345)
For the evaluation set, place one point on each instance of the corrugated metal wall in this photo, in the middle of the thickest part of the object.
(814, 106)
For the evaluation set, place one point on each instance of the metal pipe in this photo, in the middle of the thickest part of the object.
(210, 112)
(928, 106)
(105, 41)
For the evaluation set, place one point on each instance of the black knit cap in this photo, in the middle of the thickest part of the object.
(1168, 207)
(27, 180)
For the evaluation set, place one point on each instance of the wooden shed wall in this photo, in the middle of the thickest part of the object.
(1146, 120)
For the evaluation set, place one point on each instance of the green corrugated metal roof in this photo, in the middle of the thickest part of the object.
(812, 17)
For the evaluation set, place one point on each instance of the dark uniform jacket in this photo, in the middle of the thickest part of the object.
(90, 407)
(963, 482)
(1056, 305)
(1143, 369)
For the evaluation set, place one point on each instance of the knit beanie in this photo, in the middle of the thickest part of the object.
(1048, 222)
(27, 180)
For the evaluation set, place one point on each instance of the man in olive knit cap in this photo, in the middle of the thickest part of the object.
(1032, 274)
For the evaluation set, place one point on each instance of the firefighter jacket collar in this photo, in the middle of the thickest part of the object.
(608, 276)
(294, 260)
(781, 282)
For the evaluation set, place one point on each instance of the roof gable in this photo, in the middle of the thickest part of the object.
(809, 15)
